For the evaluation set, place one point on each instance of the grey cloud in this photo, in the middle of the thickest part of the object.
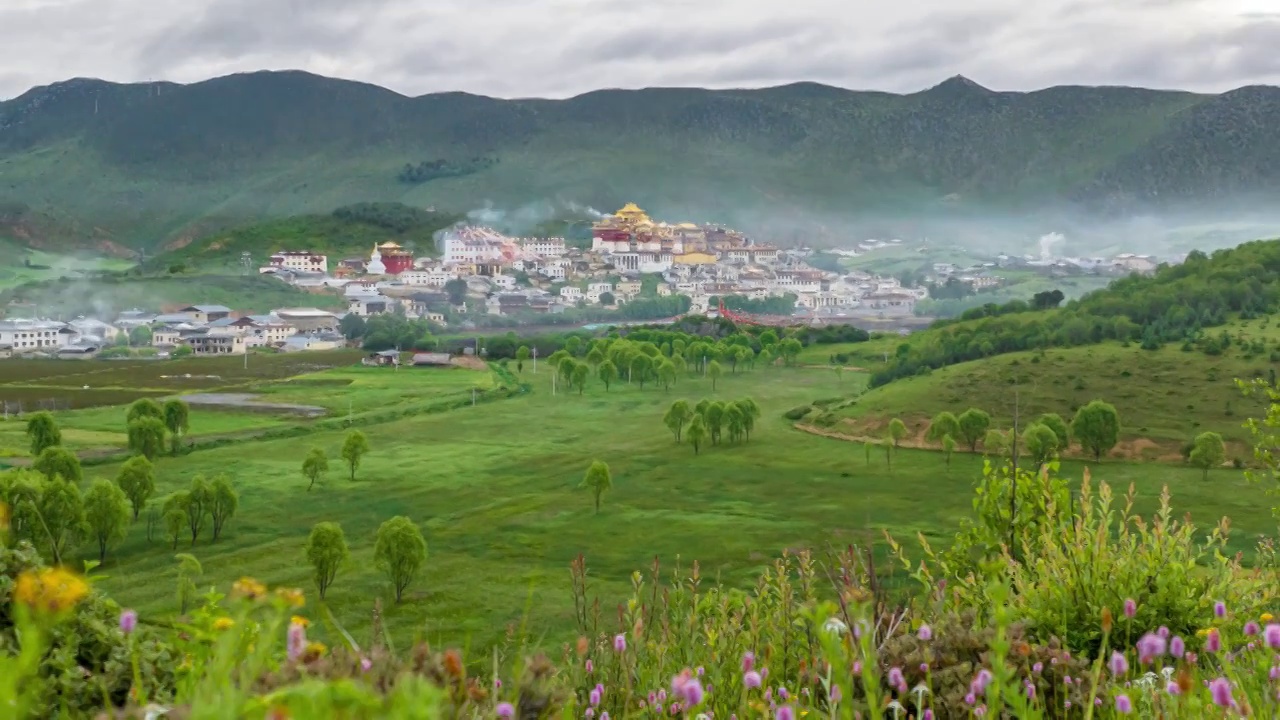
(562, 47)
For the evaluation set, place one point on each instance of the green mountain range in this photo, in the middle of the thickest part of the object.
(154, 165)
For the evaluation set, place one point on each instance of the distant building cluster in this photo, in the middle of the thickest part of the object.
(204, 329)
(506, 275)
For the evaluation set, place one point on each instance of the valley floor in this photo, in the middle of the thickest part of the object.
(495, 488)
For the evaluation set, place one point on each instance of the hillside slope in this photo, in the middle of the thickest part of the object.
(1164, 397)
(150, 162)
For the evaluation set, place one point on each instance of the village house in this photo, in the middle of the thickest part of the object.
(206, 314)
(218, 341)
(130, 319)
(26, 335)
(504, 282)
(298, 260)
(306, 320)
(313, 342)
(93, 331)
(571, 294)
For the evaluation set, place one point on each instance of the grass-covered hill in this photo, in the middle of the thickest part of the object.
(1164, 397)
(1166, 350)
(147, 162)
(1180, 304)
(348, 231)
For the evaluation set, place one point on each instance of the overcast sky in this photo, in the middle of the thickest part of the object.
(556, 48)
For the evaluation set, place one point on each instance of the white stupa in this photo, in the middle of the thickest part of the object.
(375, 266)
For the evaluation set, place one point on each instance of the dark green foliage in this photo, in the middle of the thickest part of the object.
(428, 170)
(89, 659)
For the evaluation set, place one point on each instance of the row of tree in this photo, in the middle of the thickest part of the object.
(1095, 427)
(613, 358)
(399, 550)
(710, 420)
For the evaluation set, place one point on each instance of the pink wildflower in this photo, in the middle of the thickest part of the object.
(692, 693)
(1123, 706)
(1173, 689)
(1213, 641)
(128, 621)
(1130, 607)
(1118, 664)
(1177, 647)
(297, 641)
(785, 713)
(895, 676)
(751, 679)
(1221, 691)
(505, 710)
(1251, 628)
(589, 666)
(1220, 609)
(620, 643)
(835, 694)
(748, 661)
(1150, 647)
(1272, 635)
(925, 633)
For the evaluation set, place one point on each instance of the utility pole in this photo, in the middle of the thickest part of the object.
(535, 359)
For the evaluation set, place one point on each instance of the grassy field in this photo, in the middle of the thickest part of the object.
(93, 393)
(1164, 397)
(361, 389)
(496, 490)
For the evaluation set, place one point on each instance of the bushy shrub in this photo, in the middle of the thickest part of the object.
(1065, 569)
(798, 413)
(88, 657)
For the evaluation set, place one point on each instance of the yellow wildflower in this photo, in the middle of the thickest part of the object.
(299, 621)
(1268, 617)
(49, 590)
(1202, 632)
(313, 652)
(292, 596)
(249, 588)
(223, 623)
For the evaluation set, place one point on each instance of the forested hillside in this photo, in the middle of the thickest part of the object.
(1178, 304)
(148, 164)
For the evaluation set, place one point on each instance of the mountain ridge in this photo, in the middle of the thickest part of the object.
(146, 162)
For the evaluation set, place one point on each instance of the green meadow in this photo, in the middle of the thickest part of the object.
(495, 488)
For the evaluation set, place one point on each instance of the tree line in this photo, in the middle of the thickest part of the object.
(658, 358)
(1095, 427)
(710, 420)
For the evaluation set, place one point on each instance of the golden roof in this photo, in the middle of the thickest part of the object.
(388, 246)
(630, 209)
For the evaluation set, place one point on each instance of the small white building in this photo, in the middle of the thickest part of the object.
(297, 260)
(545, 247)
(571, 294)
(26, 335)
